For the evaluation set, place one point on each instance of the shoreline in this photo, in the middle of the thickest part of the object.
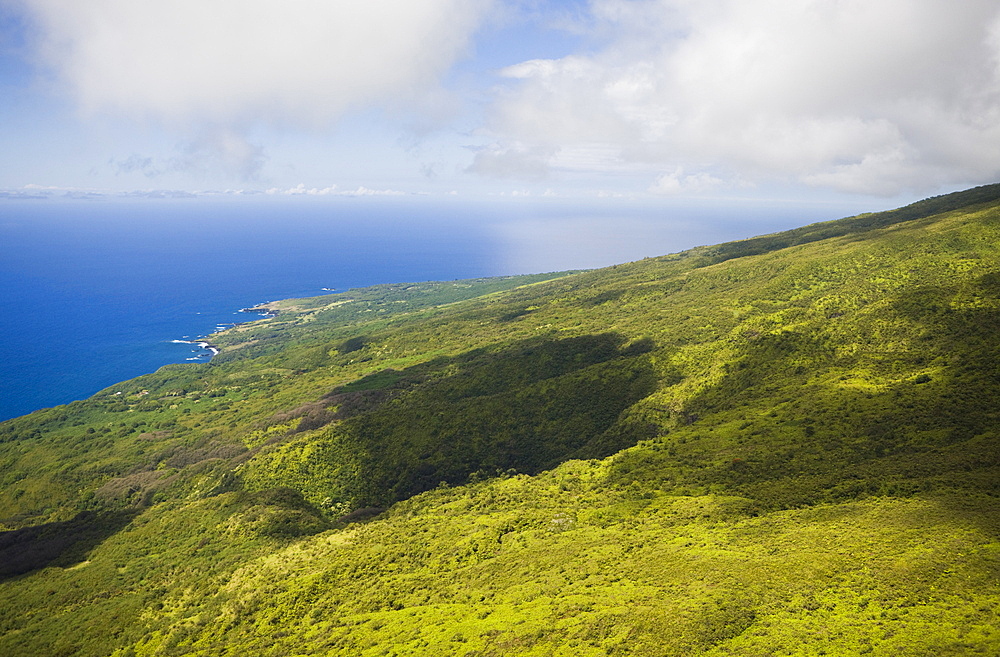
(266, 310)
(261, 309)
(206, 346)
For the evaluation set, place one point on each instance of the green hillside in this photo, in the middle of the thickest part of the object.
(788, 445)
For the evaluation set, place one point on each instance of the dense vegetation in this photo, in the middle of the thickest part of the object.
(786, 445)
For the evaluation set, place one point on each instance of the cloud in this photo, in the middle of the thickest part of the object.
(332, 190)
(222, 149)
(859, 96)
(677, 182)
(215, 149)
(228, 63)
(513, 161)
(136, 163)
(159, 193)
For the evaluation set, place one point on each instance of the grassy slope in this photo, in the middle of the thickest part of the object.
(787, 445)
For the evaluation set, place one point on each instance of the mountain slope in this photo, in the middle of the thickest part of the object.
(787, 445)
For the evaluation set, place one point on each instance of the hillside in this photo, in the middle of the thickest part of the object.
(787, 445)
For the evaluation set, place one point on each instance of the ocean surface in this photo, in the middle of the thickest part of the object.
(98, 291)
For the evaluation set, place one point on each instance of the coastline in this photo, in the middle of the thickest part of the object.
(265, 310)
(207, 346)
(203, 345)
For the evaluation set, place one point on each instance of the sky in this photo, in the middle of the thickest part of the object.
(833, 102)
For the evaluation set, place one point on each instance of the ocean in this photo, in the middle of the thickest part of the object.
(102, 290)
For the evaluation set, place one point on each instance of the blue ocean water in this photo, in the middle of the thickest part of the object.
(94, 293)
(98, 291)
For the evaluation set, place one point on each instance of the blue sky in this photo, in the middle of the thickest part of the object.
(835, 102)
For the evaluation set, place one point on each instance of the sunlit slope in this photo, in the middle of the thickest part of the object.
(787, 445)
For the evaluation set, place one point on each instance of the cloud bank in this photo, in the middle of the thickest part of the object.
(859, 96)
(332, 190)
(676, 97)
(229, 62)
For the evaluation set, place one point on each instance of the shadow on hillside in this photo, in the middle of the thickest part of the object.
(526, 407)
(786, 439)
(57, 543)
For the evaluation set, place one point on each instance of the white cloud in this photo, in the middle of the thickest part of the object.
(512, 161)
(224, 149)
(676, 182)
(224, 77)
(365, 191)
(860, 96)
(302, 190)
(332, 190)
(230, 63)
(215, 149)
(224, 61)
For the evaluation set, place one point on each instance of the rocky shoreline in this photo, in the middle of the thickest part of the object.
(201, 344)
(207, 346)
(262, 309)
(210, 349)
